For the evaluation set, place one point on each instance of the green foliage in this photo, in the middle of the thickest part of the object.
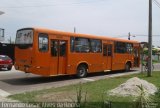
(143, 100)
(95, 96)
(79, 96)
(154, 51)
(157, 97)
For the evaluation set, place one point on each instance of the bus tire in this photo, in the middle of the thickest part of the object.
(82, 71)
(127, 67)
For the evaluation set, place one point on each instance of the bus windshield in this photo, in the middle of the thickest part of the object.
(24, 37)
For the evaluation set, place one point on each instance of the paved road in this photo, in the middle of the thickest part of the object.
(13, 82)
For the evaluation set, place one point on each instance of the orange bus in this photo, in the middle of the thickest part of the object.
(51, 53)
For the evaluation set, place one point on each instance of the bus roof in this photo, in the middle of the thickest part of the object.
(49, 31)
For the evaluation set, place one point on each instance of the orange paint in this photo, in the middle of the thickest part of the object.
(50, 53)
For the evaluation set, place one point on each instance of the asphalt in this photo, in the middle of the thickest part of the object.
(13, 82)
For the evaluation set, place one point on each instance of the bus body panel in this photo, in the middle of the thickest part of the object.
(60, 60)
(94, 61)
(23, 59)
(119, 61)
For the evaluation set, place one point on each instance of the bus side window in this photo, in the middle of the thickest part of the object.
(62, 48)
(82, 45)
(120, 47)
(72, 44)
(43, 42)
(104, 50)
(109, 50)
(54, 48)
(96, 45)
(129, 48)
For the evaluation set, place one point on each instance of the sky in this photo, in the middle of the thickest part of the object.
(113, 18)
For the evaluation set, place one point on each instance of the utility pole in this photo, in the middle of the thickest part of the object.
(74, 29)
(129, 36)
(2, 34)
(149, 73)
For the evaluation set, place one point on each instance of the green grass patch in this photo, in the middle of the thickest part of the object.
(156, 61)
(153, 61)
(95, 92)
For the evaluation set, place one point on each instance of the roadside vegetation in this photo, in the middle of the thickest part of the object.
(154, 62)
(94, 94)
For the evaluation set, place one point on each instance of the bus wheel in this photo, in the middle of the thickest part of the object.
(127, 67)
(82, 71)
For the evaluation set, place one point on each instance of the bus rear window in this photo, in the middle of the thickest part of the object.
(24, 37)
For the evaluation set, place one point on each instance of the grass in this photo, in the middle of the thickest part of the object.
(96, 91)
(153, 61)
(156, 61)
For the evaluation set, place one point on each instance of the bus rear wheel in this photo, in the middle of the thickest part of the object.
(82, 71)
(127, 67)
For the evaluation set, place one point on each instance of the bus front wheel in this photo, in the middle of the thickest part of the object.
(82, 71)
(127, 67)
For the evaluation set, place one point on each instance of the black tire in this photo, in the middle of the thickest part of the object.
(127, 67)
(82, 71)
(9, 68)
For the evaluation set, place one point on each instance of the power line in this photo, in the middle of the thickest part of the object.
(30, 6)
(157, 3)
(138, 35)
(51, 5)
(146, 35)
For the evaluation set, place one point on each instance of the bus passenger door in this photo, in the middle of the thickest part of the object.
(136, 57)
(62, 57)
(58, 57)
(107, 54)
(54, 57)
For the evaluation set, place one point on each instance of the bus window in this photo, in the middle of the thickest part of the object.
(54, 48)
(62, 48)
(96, 45)
(109, 50)
(82, 45)
(43, 42)
(72, 44)
(129, 48)
(104, 50)
(120, 47)
(24, 38)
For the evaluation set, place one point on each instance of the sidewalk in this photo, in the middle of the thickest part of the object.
(5, 99)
